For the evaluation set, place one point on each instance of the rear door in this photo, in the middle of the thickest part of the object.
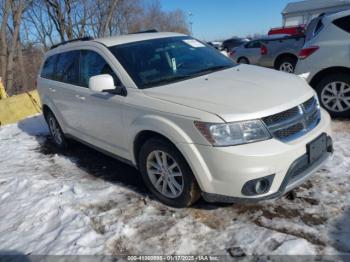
(46, 85)
(66, 81)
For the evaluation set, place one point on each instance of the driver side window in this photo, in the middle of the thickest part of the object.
(92, 64)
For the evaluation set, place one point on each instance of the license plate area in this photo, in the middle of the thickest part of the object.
(316, 148)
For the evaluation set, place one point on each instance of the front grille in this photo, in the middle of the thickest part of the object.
(295, 122)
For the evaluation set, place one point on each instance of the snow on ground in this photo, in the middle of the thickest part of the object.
(82, 202)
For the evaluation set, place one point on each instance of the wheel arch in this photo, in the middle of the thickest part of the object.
(48, 107)
(326, 72)
(243, 57)
(149, 126)
(283, 55)
(141, 139)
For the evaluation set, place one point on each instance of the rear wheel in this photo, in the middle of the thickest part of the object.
(167, 174)
(334, 94)
(56, 131)
(286, 64)
(243, 60)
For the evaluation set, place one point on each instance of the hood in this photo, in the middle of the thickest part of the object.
(239, 93)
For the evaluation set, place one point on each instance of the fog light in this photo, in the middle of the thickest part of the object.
(258, 186)
(261, 186)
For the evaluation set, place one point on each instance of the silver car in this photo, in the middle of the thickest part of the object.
(275, 51)
(248, 53)
(324, 62)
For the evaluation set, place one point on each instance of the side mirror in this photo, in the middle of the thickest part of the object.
(100, 83)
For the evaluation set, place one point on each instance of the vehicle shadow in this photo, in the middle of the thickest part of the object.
(90, 160)
(339, 233)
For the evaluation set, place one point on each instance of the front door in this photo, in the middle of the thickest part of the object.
(99, 118)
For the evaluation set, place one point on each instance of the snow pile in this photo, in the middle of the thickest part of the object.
(82, 202)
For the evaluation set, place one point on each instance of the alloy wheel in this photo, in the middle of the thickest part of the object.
(287, 67)
(336, 96)
(165, 174)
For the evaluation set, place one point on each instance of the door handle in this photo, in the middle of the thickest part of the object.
(80, 97)
(53, 90)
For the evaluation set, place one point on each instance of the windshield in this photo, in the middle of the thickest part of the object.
(161, 61)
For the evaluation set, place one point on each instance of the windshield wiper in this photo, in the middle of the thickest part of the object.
(211, 70)
(165, 81)
(184, 77)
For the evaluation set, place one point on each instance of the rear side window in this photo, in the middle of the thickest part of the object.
(67, 68)
(92, 64)
(254, 44)
(318, 27)
(49, 67)
(343, 23)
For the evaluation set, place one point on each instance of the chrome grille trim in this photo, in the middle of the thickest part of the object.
(295, 122)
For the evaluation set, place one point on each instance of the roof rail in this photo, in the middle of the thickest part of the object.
(146, 31)
(86, 38)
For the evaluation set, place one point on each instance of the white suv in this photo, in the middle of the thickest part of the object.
(191, 120)
(325, 62)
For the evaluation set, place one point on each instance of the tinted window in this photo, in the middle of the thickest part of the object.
(310, 29)
(318, 27)
(161, 61)
(254, 44)
(67, 69)
(343, 23)
(92, 64)
(49, 67)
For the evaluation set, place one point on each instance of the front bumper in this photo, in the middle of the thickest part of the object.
(298, 172)
(222, 172)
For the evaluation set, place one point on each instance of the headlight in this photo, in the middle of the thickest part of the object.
(236, 133)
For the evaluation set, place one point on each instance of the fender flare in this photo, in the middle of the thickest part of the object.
(47, 102)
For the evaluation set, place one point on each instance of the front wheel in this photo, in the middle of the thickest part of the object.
(334, 94)
(167, 174)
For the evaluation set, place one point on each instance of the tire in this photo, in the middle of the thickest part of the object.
(56, 131)
(186, 190)
(329, 91)
(286, 64)
(243, 60)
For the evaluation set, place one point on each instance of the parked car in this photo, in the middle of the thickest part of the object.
(324, 62)
(190, 119)
(216, 44)
(250, 52)
(229, 44)
(281, 53)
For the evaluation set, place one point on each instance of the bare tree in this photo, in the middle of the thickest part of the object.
(29, 27)
(6, 8)
(38, 25)
(155, 18)
(9, 34)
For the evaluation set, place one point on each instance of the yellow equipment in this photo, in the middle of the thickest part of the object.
(18, 107)
(3, 93)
